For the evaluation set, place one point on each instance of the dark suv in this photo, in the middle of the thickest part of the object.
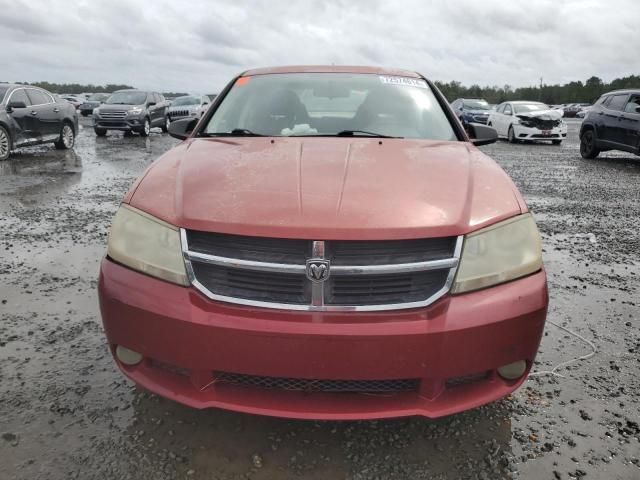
(31, 115)
(131, 111)
(472, 110)
(612, 124)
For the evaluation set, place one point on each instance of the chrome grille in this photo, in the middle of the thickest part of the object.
(363, 275)
(113, 114)
(179, 113)
(314, 385)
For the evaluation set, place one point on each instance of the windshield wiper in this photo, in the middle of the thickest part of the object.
(236, 132)
(356, 133)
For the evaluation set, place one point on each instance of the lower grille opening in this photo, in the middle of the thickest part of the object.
(466, 379)
(170, 368)
(318, 385)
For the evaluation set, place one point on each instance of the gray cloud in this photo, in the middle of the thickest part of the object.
(199, 46)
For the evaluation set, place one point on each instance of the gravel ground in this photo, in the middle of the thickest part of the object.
(66, 412)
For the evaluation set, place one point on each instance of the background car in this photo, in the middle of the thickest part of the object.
(31, 116)
(471, 110)
(612, 124)
(583, 113)
(192, 106)
(572, 109)
(131, 111)
(533, 121)
(92, 102)
(73, 100)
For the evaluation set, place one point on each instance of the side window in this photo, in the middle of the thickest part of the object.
(455, 104)
(38, 97)
(161, 98)
(507, 109)
(500, 108)
(19, 95)
(604, 100)
(617, 102)
(633, 105)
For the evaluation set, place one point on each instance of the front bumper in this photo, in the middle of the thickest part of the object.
(125, 124)
(531, 133)
(187, 339)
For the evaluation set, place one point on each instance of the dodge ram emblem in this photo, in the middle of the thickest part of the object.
(317, 270)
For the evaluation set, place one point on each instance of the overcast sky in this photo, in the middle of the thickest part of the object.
(197, 46)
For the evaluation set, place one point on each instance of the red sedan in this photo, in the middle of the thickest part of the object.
(325, 243)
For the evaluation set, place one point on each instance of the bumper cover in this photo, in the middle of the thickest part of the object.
(532, 133)
(456, 337)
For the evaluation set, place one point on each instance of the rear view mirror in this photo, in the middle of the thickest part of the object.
(481, 134)
(181, 129)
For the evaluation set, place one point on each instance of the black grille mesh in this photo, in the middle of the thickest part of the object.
(314, 385)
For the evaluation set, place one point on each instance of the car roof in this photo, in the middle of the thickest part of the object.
(525, 101)
(331, 69)
(624, 90)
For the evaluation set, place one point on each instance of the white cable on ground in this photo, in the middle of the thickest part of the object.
(568, 362)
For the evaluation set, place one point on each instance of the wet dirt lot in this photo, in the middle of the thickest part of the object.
(66, 412)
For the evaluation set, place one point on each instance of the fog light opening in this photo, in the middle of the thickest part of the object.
(128, 357)
(513, 371)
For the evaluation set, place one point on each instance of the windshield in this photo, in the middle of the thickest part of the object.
(476, 105)
(127, 98)
(311, 104)
(98, 97)
(186, 101)
(3, 90)
(529, 107)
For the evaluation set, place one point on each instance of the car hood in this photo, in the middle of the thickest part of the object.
(327, 188)
(184, 107)
(478, 112)
(109, 107)
(542, 114)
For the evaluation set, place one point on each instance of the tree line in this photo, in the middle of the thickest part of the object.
(572, 92)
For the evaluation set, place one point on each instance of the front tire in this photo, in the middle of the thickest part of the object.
(67, 137)
(101, 132)
(165, 126)
(5, 144)
(511, 135)
(146, 127)
(588, 148)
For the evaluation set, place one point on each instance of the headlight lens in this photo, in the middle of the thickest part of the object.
(147, 244)
(135, 111)
(499, 253)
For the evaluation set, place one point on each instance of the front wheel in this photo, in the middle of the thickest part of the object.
(67, 138)
(101, 132)
(511, 135)
(146, 127)
(588, 148)
(5, 144)
(165, 126)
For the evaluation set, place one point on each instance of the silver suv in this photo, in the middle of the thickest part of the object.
(188, 106)
(132, 111)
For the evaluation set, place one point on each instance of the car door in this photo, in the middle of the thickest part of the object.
(25, 122)
(494, 118)
(506, 119)
(630, 122)
(155, 111)
(47, 113)
(612, 131)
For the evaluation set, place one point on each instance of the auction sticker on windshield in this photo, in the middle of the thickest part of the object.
(409, 82)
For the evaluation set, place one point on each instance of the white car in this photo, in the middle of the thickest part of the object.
(523, 120)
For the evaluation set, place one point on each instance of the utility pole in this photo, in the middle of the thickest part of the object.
(540, 89)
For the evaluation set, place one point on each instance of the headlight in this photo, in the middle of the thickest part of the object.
(135, 111)
(499, 253)
(96, 111)
(147, 244)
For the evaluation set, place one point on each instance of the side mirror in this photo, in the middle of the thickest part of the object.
(481, 134)
(205, 103)
(638, 109)
(151, 104)
(181, 129)
(15, 105)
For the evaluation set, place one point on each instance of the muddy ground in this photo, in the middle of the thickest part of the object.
(66, 412)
